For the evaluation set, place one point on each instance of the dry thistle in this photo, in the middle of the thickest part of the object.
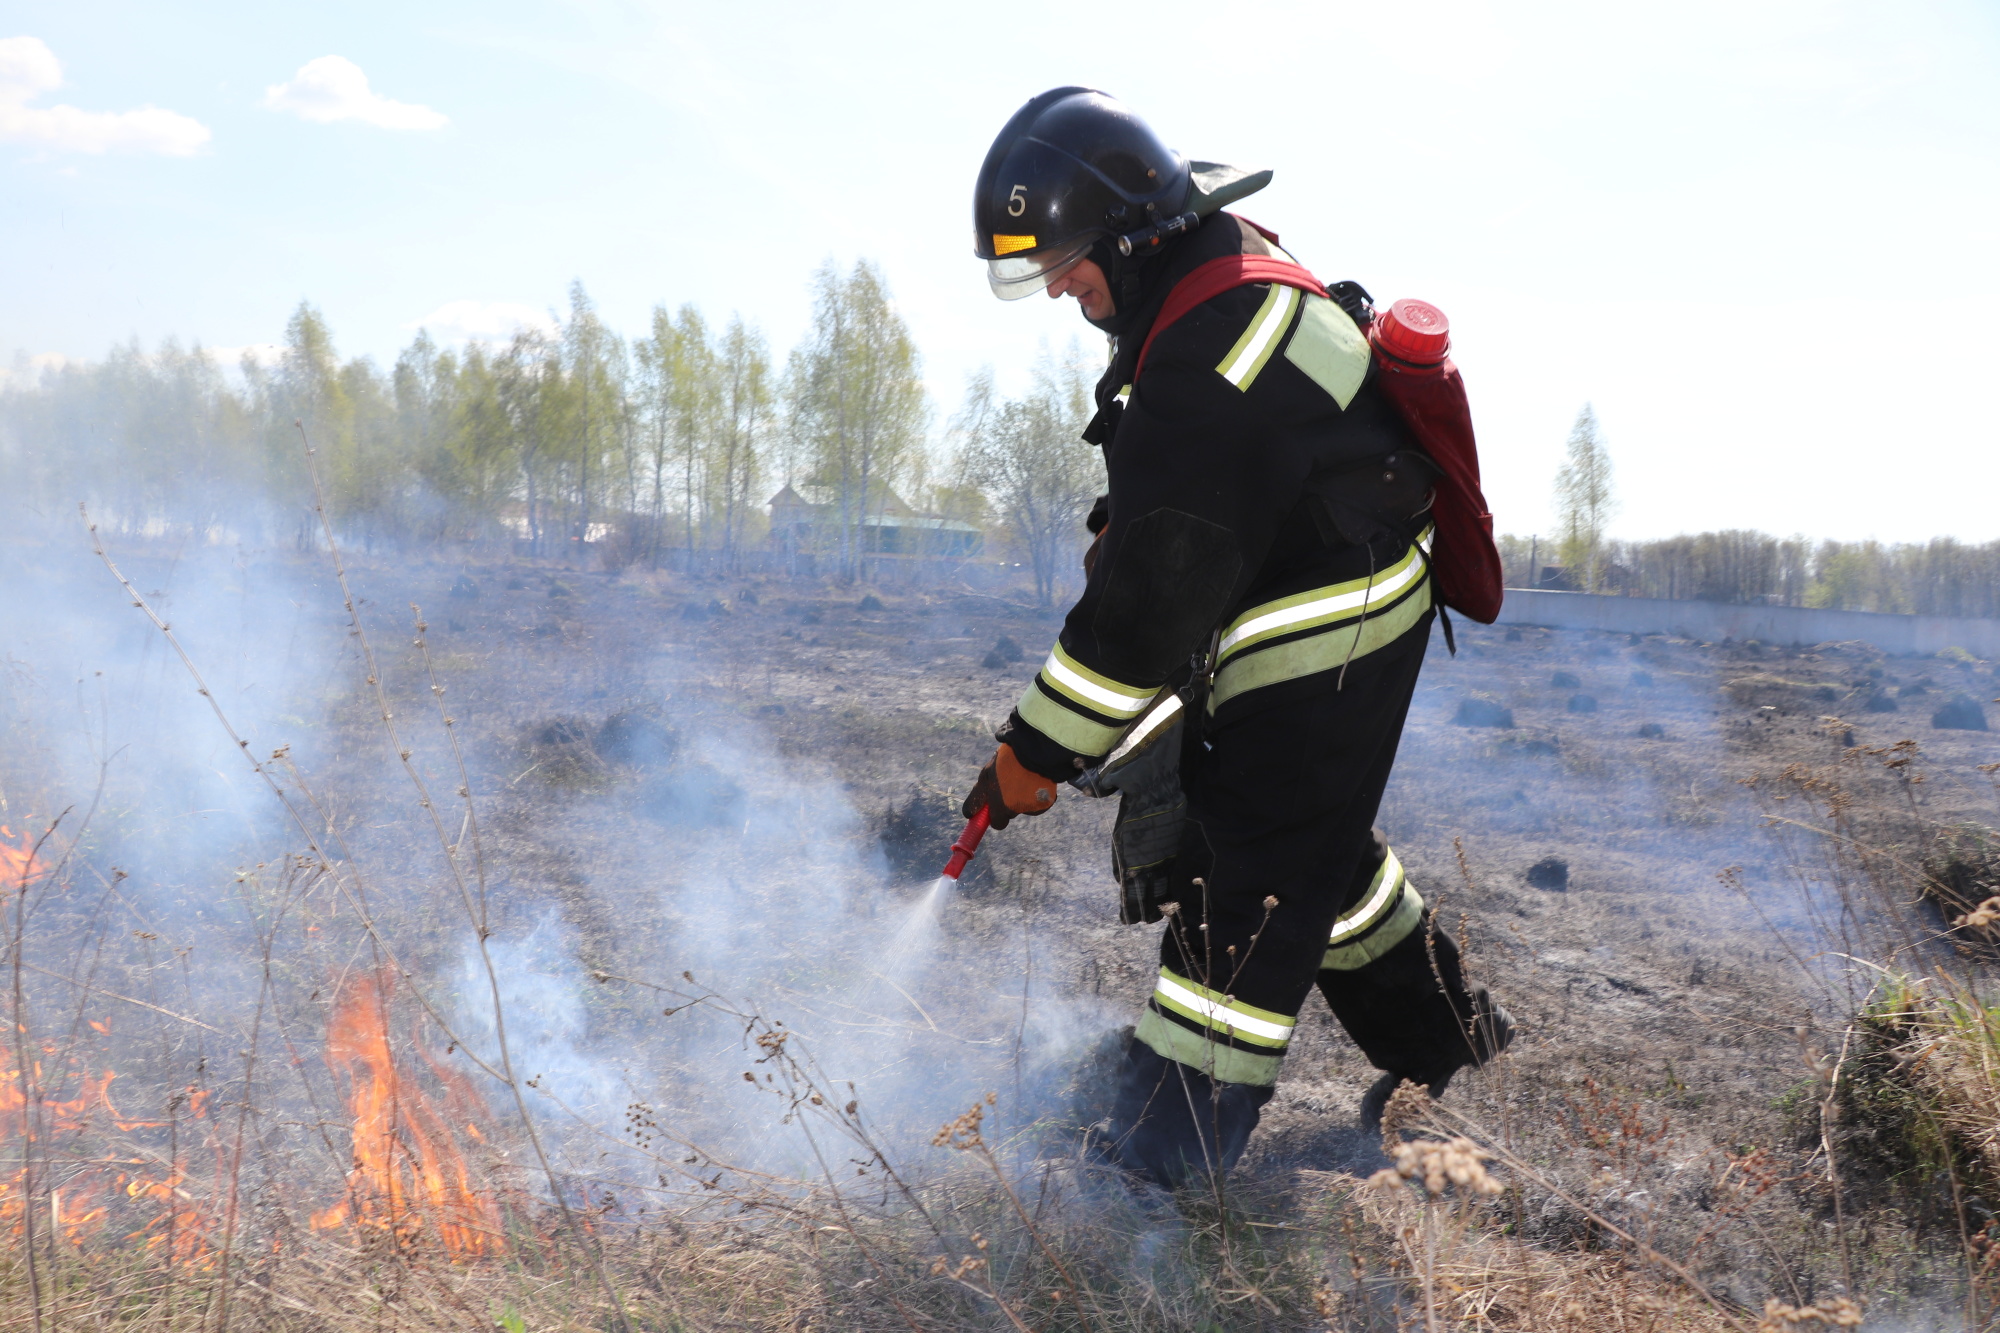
(1834, 1312)
(1439, 1163)
(964, 1133)
(1408, 1107)
(1980, 917)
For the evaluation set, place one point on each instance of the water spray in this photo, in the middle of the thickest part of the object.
(914, 940)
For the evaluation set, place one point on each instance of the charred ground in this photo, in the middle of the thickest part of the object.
(1661, 973)
(750, 781)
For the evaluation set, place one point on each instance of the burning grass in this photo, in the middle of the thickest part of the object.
(411, 1174)
(356, 1147)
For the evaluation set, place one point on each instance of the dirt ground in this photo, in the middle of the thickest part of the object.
(751, 782)
(1642, 971)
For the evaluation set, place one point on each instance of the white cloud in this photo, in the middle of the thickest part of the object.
(334, 88)
(483, 321)
(264, 354)
(28, 69)
(26, 372)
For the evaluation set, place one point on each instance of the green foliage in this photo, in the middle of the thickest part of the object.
(1026, 453)
(1924, 1087)
(1583, 501)
(856, 401)
(554, 438)
(1941, 577)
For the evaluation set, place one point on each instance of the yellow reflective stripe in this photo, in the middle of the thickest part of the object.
(1409, 912)
(1220, 1012)
(1067, 729)
(1321, 606)
(1254, 348)
(1381, 891)
(1324, 651)
(1218, 1060)
(1149, 725)
(1113, 698)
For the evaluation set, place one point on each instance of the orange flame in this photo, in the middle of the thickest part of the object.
(409, 1174)
(17, 859)
(98, 1179)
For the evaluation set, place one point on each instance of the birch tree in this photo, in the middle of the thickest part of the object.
(1028, 455)
(857, 403)
(1584, 502)
(594, 367)
(745, 386)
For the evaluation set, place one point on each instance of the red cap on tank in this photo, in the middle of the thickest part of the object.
(1414, 331)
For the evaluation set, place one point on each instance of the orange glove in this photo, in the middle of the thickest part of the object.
(1006, 789)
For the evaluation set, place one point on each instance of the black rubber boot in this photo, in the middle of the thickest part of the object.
(1173, 1125)
(1490, 1032)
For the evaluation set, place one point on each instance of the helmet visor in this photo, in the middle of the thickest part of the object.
(1015, 276)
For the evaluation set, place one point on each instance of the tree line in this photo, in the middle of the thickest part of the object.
(1942, 577)
(663, 448)
(564, 441)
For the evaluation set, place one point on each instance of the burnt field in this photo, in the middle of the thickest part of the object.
(697, 821)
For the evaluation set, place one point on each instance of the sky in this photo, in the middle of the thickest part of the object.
(1761, 238)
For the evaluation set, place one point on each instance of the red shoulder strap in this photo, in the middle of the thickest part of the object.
(1216, 277)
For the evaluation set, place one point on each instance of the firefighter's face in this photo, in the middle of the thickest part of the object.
(1086, 282)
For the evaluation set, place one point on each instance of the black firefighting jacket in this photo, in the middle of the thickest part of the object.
(1264, 495)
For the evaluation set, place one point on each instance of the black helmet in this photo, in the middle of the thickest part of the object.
(1073, 167)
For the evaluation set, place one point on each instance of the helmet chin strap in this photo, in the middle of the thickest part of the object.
(1130, 277)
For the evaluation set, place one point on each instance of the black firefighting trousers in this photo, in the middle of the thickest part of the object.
(1282, 883)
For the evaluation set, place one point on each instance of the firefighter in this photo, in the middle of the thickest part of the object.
(1260, 577)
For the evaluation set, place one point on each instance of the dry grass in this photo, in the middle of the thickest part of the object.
(1595, 1204)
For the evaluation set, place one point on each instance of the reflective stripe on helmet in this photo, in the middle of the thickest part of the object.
(1323, 629)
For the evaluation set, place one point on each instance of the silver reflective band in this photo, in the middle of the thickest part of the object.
(1016, 276)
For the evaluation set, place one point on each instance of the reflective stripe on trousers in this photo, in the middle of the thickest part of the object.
(1384, 918)
(1213, 1032)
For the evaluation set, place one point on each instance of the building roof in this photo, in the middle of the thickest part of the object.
(892, 512)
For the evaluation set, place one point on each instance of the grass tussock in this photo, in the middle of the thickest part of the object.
(1935, 1072)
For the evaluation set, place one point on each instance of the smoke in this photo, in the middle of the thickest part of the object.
(661, 881)
(107, 730)
(749, 896)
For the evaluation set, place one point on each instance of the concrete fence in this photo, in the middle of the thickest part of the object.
(1714, 621)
